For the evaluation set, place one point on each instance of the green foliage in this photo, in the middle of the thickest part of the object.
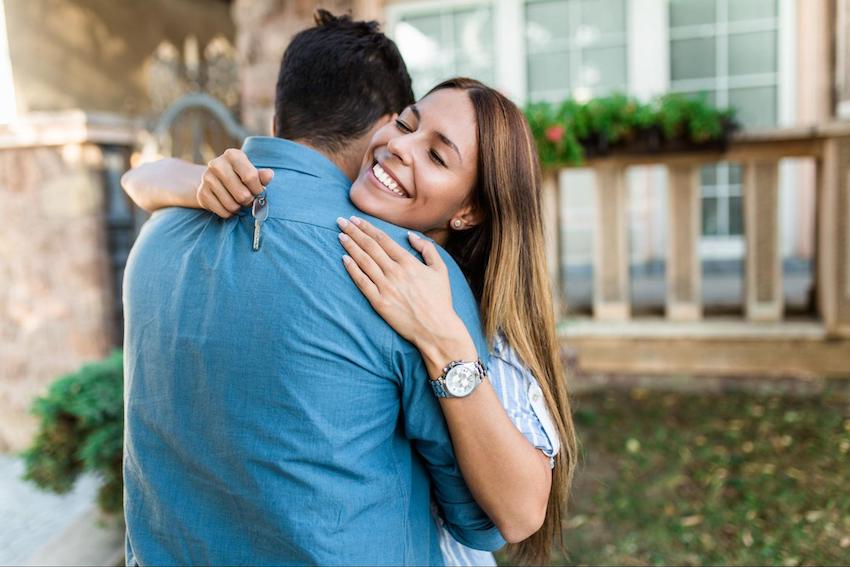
(81, 430)
(711, 479)
(568, 132)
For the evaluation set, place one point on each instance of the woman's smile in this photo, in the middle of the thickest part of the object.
(383, 179)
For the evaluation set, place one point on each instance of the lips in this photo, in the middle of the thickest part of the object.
(389, 183)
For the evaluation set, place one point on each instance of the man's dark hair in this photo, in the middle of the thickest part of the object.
(336, 80)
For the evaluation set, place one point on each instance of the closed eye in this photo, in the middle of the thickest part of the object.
(403, 126)
(437, 159)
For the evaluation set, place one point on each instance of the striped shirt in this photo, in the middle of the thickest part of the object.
(523, 401)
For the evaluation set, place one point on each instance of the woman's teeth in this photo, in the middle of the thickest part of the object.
(387, 181)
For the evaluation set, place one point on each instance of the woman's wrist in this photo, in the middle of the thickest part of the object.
(451, 341)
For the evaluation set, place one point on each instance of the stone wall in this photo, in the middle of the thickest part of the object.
(56, 293)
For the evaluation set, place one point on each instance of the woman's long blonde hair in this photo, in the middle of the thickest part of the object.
(504, 260)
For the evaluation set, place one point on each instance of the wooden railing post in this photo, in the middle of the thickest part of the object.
(763, 269)
(611, 299)
(833, 239)
(684, 289)
(552, 227)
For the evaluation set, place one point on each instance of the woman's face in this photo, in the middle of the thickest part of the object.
(419, 170)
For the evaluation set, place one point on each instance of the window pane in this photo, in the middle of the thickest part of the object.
(752, 53)
(756, 106)
(709, 216)
(692, 12)
(545, 22)
(751, 9)
(736, 217)
(474, 36)
(420, 42)
(424, 81)
(446, 43)
(549, 71)
(603, 16)
(692, 58)
(603, 69)
(429, 26)
(708, 175)
(735, 176)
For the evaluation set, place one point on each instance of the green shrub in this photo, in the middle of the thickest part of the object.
(81, 430)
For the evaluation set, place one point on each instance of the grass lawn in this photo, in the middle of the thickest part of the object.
(706, 479)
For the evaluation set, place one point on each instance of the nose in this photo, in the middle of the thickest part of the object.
(399, 146)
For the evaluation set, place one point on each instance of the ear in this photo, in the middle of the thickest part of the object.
(385, 119)
(469, 216)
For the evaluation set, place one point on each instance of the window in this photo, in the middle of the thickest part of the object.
(575, 48)
(444, 41)
(727, 51)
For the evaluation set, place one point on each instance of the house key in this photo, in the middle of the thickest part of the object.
(260, 212)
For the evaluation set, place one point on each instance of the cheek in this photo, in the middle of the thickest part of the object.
(442, 194)
(366, 201)
(362, 199)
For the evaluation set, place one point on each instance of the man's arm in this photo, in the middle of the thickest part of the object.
(426, 427)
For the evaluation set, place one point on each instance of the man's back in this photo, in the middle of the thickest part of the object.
(271, 414)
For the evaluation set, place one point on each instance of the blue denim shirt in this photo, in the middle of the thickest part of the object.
(272, 417)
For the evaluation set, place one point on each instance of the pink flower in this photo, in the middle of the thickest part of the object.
(555, 133)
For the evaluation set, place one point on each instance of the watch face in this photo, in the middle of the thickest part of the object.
(461, 380)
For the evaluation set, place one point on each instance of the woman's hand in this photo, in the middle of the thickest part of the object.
(231, 182)
(415, 298)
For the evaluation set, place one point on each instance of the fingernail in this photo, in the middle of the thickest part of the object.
(355, 220)
(343, 237)
(346, 259)
(341, 222)
(413, 235)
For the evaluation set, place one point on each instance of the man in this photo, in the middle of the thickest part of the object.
(271, 416)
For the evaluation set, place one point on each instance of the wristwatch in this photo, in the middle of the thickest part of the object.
(459, 379)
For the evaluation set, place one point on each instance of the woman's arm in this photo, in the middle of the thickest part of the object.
(228, 183)
(168, 182)
(509, 478)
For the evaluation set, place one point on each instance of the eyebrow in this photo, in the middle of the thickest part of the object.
(443, 137)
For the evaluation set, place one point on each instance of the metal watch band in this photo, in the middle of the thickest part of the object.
(439, 385)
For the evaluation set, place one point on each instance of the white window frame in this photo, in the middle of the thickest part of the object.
(508, 36)
(396, 12)
(575, 47)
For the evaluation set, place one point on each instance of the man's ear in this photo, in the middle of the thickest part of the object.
(377, 125)
(384, 120)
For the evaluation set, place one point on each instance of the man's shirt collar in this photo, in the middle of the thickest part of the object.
(277, 153)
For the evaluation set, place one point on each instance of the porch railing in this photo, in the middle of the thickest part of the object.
(759, 153)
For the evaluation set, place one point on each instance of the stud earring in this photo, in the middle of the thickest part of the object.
(457, 223)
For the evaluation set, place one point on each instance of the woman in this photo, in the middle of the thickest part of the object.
(461, 167)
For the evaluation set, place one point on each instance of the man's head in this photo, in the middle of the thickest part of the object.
(338, 82)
